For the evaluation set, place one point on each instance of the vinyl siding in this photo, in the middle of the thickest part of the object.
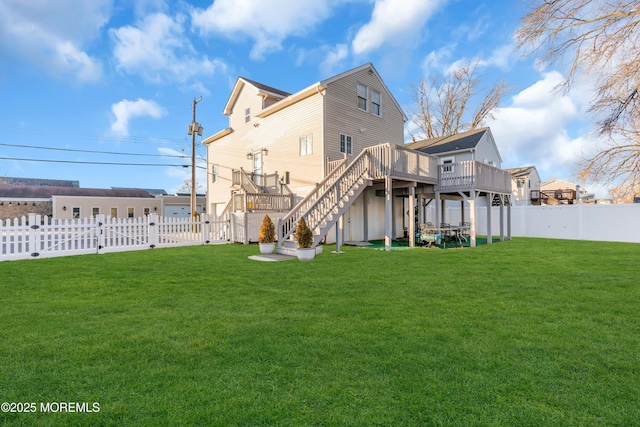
(486, 150)
(344, 117)
(280, 134)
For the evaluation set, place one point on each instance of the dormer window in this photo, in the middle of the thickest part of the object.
(363, 98)
(247, 115)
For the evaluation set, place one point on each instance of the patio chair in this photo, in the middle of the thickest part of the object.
(465, 228)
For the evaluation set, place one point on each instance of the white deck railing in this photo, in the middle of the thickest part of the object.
(38, 236)
(372, 163)
(473, 175)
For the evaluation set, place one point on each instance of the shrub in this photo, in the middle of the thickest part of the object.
(267, 231)
(304, 236)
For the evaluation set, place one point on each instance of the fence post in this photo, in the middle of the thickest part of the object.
(206, 227)
(153, 229)
(34, 250)
(100, 220)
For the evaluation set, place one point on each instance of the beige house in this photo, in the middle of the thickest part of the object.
(74, 202)
(332, 153)
(525, 184)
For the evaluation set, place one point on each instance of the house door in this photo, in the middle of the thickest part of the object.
(257, 168)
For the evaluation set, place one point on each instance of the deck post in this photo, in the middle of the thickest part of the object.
(339, 234)
(501, 217)
(438, 213)
(388, 212)
(509, 219)
(365, 216)
(472, 219)
(489, 197)
(412, 216)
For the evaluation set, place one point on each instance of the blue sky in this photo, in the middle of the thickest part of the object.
(120, 76)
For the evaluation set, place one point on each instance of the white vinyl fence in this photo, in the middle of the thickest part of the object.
(607, 223)
(36, 236)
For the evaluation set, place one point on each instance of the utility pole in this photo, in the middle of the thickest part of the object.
(194, 128)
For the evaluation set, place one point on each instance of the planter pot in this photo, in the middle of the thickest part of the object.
(267, 248)
(305, 254)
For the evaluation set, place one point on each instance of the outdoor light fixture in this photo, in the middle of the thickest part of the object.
(265, 152)
(249, 156)
(64, 208)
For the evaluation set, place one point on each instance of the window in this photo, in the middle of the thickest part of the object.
(76, 213)
(95, 212)
(346, 144)
(376, 103)
(131, 212)
(114, 212)
(362, 97)
(247, 115)
(306, 145)
(215, 170)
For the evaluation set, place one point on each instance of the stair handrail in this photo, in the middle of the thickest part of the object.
(292, 218)
(286, 225)
(247, 179)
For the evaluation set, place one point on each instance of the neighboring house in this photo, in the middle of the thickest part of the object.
(476, 144)
(525, 186)
(179, 205)
(73, 202)
(332, 153)
(557, 191)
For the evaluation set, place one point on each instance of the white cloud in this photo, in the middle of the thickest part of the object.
(50, 34)
(126, 110)
(394, 21)
(333, 59)
(535, 129)
(158, 49)
(267, 23)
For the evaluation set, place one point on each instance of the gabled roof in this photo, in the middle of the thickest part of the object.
(522, 172)
(444, 144)
(262, 90)
(287, 99)
(40, 192)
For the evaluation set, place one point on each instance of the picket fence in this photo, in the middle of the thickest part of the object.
(39, 236)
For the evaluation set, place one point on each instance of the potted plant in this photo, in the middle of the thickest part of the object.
(267, 236)
(304, 238)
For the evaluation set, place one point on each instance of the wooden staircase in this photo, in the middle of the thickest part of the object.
(325, 204)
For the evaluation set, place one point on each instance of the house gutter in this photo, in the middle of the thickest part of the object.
(217, 136)
(292, 99)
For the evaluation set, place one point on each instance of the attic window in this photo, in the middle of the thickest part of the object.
(376, 103)
(363, 98)
(247, 115)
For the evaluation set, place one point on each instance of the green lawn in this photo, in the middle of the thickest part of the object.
(530, 332)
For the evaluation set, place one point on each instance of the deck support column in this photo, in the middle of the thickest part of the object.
(365, 216)
(438, 213)
(501, 217)
(388, 212)
(462, 211)
(508, 218)
(472, 219)
(489, 203)
(339, 234)
(412, 216)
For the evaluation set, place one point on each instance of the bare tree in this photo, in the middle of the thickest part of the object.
(617, 164)
(601, 39)
(442, 104)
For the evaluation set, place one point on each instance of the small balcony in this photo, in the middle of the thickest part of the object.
(472, 175)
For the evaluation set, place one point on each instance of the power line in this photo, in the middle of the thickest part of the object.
(92, 151)
(92, 163)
